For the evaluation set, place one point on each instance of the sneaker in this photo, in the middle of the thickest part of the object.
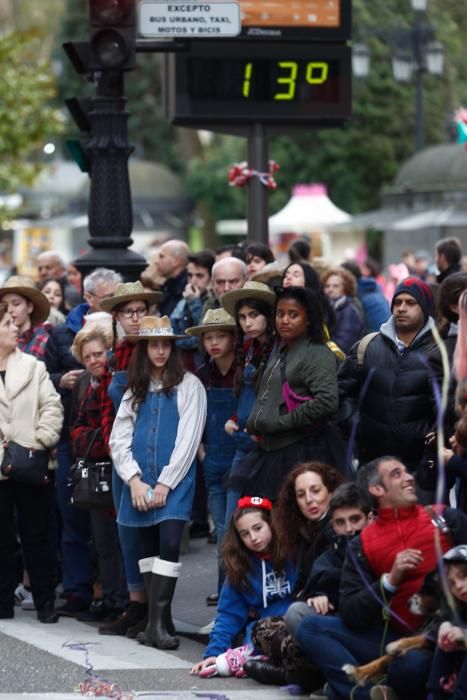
(28, 603)
(231, 662)
(73, 606)
(383, 692)
(20, 593)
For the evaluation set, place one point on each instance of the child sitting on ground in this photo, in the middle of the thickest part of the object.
(257, 578)
(349, 509)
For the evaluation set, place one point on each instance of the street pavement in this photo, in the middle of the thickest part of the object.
(35, 664)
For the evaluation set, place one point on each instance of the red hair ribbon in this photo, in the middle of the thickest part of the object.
(254, 502)
(240, 173)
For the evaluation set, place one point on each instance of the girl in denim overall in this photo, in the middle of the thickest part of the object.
(154, 441)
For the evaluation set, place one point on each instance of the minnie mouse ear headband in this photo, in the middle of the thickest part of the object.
(254, 502)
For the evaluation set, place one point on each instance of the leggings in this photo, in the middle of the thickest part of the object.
(163, 540)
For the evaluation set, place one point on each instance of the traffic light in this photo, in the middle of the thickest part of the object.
(112, 32)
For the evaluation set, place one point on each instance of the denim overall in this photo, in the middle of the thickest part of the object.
(130, 541)
(220, 451)
(153, 443)
(242, 441)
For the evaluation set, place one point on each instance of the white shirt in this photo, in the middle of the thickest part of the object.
(191, 405)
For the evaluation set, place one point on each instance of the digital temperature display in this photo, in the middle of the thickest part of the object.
(282, 83)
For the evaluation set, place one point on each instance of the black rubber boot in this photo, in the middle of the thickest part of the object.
(131, 617)
(160, 630)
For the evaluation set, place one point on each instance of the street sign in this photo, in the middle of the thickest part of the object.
(189, 19)
(232, 83)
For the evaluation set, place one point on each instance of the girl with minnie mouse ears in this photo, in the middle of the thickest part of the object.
(258, 578)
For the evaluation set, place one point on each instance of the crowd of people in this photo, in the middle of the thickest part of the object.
(311, 419)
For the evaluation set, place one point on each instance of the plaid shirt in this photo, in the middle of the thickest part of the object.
(87, 420)
(33, 341)
(118, 362)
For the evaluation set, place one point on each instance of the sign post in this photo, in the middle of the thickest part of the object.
(288, 69)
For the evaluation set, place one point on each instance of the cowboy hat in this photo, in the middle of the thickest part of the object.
(214, 319)
(250, 290)
(154, 327)
(130, 291)
(24, 287)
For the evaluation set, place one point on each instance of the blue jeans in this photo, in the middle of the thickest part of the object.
(76, 530)
(130, 542)
(329, 644)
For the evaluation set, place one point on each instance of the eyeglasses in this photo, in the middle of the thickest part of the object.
(94, 356)
(129, 313)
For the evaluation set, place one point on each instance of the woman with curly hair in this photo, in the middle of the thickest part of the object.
(340, 286)
(302, 524)
(296, 401)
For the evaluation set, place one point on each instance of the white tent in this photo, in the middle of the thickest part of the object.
(308, 213)
(308, 210)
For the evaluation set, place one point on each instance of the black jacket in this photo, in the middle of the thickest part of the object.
(58, 358)
(326, 572)
(398, 408)
(360, 592)
(173, 291)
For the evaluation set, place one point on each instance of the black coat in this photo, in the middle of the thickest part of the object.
(348, 326)
(58, 358)
(398, 408)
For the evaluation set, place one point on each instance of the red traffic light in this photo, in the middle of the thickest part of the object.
(106, 12)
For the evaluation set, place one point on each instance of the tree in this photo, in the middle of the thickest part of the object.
(26, 120)
(356, 160)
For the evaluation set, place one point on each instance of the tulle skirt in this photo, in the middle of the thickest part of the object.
(262, 473)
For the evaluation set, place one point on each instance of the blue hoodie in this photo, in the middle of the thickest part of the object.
(269, 593)
(375, 305)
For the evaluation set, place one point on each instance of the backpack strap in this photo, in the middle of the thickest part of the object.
(362, 346)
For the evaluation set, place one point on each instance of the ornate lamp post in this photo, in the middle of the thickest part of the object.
(416, 52)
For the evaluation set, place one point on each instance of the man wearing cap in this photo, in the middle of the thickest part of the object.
(385, 385)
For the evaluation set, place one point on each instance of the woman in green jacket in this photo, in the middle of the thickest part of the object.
(296, 400)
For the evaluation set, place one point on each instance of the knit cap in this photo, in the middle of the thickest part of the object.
(420, 292)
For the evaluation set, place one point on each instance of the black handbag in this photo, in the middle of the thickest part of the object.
(92, 481)
(25, 464)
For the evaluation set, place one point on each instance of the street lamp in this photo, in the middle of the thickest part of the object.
(416, 52)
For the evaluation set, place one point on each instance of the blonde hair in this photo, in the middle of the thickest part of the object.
(93, 330)
(348, 280)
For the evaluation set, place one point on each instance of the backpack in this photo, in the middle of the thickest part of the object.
(362, 346)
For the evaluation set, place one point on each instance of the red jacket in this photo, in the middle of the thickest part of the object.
(394, 530)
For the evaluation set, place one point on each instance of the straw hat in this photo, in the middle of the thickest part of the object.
(154, 327)
(214, 319)
(271, 274)
(250, 290)
(130, 291)
(24, 287)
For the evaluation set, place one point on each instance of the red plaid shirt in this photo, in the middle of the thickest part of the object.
(117, 363)
(87, 421)
(33, 341)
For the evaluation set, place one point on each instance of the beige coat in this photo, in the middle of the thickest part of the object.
(31, 411)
